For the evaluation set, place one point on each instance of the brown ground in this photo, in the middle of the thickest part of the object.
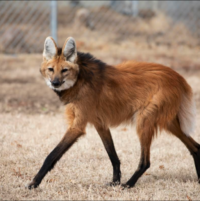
(32, 124)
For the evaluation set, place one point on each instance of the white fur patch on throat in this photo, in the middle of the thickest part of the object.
(66, 85)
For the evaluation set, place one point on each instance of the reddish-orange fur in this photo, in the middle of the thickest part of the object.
(147, 94)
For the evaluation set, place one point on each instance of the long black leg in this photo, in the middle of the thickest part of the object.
(70, 137)
(196, 155)
(143, 166)
(110, 148)
(189, 142)
(145, 133)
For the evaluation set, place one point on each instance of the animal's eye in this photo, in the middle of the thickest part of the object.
(64, 70)
(50, 69)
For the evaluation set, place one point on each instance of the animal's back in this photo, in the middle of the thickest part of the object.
(149, 91)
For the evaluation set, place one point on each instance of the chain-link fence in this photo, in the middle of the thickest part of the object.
(25, 24)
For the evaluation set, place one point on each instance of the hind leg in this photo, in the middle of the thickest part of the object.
(196, 157)
(189, 142)
(145, 133)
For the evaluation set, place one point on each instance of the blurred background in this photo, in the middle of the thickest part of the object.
(166, 32)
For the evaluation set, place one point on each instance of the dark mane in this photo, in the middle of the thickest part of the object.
(87, 57)
(90, 67)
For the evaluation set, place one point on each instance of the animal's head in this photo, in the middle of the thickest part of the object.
(59, 67)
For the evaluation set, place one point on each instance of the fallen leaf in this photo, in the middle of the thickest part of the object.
(188, 198)
(161, 167)
(51, 180)
(19, 145)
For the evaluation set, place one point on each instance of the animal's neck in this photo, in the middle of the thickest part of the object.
(91, 73)
(69, 95)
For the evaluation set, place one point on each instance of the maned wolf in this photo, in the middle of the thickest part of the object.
(151, 95)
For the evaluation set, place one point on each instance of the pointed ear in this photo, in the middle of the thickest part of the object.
(69, 50)
(50, 48)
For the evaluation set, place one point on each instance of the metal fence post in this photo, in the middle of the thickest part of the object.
(135, 8)
(54, 19)
(155, 5)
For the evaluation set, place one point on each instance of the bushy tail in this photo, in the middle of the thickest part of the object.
(187, 114)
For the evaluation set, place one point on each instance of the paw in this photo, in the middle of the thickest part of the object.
(32, 185)
(125, 186)
(113, 183)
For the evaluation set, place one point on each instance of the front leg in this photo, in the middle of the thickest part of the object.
(110, 148)
(68, 140)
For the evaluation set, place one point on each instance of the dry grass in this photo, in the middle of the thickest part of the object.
(85, 169)
(32, 124)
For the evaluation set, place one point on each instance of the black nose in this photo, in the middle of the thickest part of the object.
(55, 83)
